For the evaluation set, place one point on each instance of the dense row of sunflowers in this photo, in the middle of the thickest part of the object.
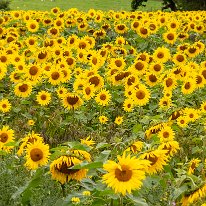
(133, 81)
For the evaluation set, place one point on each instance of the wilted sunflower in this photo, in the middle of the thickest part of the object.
(23, 89)
(5, 105)
(37, 154)
(43, 98)
(72, 101)
(158, 158)
(61, 168)
(6, 136)
(103, 97)
(126, 175)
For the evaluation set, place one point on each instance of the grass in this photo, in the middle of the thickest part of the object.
(105, 5)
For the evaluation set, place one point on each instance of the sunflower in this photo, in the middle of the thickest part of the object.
(189, 85)
(170, 37)
(193, 164)
(191, 114)
(103, 97)
(32, 26)
(171, 147)
(165, 102)
(43, 98)
(61, 91)
(128, 105)
(6, 136)
(158, 158)
(121, 28)
(118, 120)
(139, 66)
(161, 54)
(143, 31)
(126, 175)
(97, 81)
(135, 147)
(5, 105)
(166, 134)
(103, 119)
(23, 89)
(30, 122)
(169, 83)
(192, 51)
(141, 95)
(193, 196)
(37, 154)
(3, 71)
(88, 91)
(75, 200)
(61, 170)
(33, 72)
(55, 76)
(30, 138)
(71, 101)
(156, 67)
(182, 121)
(151, 79)
(179, 59)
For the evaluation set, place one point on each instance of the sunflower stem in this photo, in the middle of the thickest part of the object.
(63, 190)
(120, 201)
(112, 202)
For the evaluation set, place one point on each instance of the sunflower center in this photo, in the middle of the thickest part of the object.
(169, 82)
(187, 85)
(143, 31)
(152, 159)
(4, 106)
(121, 27)
(103, 97)
(131, 80)
(36, 154)
(157, 67)
(82, 45)
(152, 78)
(170, 37)
(55, 75)
(70, 61)
(129, 105)
(43, 97)
(191, 115)
(124, 174)
(118, 63)
(72, 100)
(182, 121)
(160, 55)
(140, 94)
(180, 58)
(199, 79)
(32, 26)
(33, 70)
(53, 31)
(94, 80)
(139, 66)
(166, 134)
(3, 137)
(87, 90)
(192, 50)
(23, 88)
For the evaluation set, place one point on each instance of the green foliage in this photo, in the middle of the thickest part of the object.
(4, 5)
(191, 5)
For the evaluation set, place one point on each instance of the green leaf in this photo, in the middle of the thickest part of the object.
(103, 156)
(86, 165)
(179, 191)
(137, 128)
(137, 200)
(78, 146)
(102, 145)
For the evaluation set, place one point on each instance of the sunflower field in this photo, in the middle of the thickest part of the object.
(102, 108)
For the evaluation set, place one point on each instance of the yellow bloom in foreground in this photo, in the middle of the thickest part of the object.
(5, 105)
(126, 175)
(37, 154)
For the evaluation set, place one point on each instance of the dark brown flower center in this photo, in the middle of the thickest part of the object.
(72, 100)
(55, 75)
(23, 88)
(3, 137)
(36, 154)
(140, 94)
(124, 174)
